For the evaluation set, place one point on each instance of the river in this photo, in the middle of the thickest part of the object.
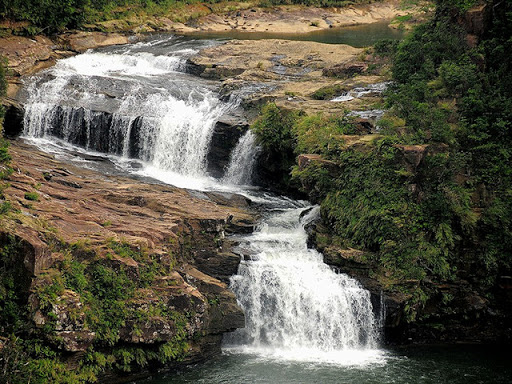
(137, 106)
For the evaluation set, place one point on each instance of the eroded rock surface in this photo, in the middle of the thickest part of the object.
(62, 214)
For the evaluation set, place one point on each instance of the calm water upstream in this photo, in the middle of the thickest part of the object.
(357, 36)
(137, 106)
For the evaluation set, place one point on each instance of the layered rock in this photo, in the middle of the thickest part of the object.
(107, 223)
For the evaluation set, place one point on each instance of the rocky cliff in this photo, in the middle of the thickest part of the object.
(116, 264)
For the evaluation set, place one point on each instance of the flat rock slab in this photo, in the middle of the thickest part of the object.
(84, 204)
(82, 41)
(24, 55)
(251, 59)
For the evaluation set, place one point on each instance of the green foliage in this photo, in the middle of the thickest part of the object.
(435, 64)
(274, 128)
(107, 290)
(328, 92)
(13, 285)
(321, 134)
(31, 362)
(385, 47)
(449, 213)
(47, 15)
(32, 196)
(421, 52)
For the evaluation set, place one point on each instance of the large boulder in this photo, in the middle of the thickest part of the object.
(13, 118)
(226, 134)
(82, 41)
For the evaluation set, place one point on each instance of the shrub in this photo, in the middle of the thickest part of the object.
(32, 196)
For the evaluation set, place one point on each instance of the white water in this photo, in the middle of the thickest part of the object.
(158, 114)
(296, 307)
(359, 92)
(242, 161)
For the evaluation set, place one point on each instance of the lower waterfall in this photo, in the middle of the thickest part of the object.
(296, 307)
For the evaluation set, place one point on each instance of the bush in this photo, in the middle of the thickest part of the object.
(33, 196)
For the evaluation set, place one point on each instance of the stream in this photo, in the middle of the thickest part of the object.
(136, 106)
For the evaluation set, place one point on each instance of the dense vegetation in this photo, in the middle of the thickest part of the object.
(51, 16)
(447, 217)
(108, 294)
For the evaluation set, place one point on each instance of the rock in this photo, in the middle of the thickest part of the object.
(477, 20)
(345, 70)
(314, 163)
(225, 314)
(82, 41)
(75, 341)
(226, 134)
(13, 118)
(364, 126)
(27, 55)
(68, 319)
(221, 265)
(268, 59)
(72, 184)
(306, 160)
(109, 209)
(31, 252)
(413, 154)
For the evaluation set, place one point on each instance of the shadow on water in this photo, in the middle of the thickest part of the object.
(357, 36)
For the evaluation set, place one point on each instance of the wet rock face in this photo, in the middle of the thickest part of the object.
(226, 134)
(93, 130)
(13, 119)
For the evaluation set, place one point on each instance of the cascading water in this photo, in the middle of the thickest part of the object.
(242, 161)
(135, 104)
(128, 103)
(296, 307)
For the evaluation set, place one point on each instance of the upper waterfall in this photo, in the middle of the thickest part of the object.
(133, 102)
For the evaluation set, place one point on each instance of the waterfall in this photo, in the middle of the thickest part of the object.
(128, 103)
(242, 161)
(296, 307)
(135, 104)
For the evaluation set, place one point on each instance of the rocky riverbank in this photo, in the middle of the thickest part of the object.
(157, 240)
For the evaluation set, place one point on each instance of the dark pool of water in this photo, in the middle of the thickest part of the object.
(420, 364)
(356, 36)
